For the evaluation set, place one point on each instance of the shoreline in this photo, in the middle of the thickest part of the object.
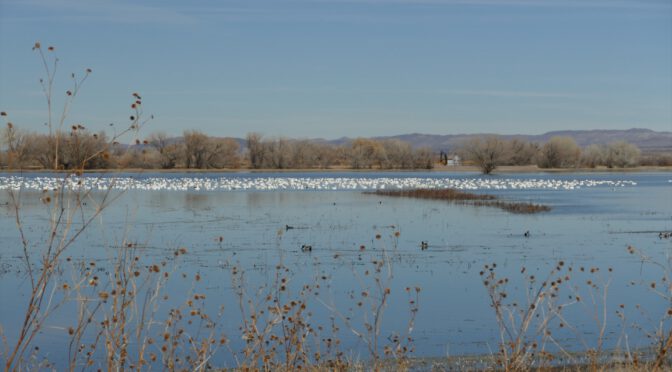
(441, 169)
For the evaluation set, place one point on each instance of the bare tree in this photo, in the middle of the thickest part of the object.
(486, 153)
(195, 149)
(201, 151)
(304, 154)
(14, 140)
(520, 152)
(622, 154)
(325, 155)
(423, 158)
(255, 150)
(41, 150)
(398, 154)
(83, 150)
(169, 151)
(278, 153)
(222, 153)
(593, 155)
(559, 152)
(365, 153)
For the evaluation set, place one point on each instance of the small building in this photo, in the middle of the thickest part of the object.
(453, 161)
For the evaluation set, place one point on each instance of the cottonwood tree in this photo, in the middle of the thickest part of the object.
(423, 158)
(520, 152)
(559, 152)
(622, 154)
(222, 153)
(84, 150)
(277, 153)
(398, 154)
(593, 155)
(16, 147)
(201, 151)
(41, 150)
(169, 151)
(306, 154)
(486, 153)
(365, 153)
(195, 148)
(326, 156)
(255, 150)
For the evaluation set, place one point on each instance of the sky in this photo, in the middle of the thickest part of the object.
(333, 68)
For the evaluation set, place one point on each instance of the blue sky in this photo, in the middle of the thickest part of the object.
(332, 68)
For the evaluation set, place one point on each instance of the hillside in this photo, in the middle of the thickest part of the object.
(647, 140)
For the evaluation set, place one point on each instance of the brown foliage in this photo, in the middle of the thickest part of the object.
(461, 197)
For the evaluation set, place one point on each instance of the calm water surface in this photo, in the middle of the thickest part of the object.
(587, 227)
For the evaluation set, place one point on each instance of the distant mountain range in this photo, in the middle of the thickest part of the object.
(647, 140)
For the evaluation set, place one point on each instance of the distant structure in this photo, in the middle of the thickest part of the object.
(449, 160)
(453, 161)
(443, 158)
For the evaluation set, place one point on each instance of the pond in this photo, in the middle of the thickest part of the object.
(244, 226)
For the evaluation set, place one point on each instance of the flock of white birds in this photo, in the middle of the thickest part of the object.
(296, 183)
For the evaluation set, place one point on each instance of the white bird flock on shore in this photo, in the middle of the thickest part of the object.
(295, 183)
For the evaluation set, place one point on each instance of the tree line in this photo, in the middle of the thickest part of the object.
(489, 152)
(82, 149)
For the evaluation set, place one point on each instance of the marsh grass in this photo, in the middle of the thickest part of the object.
(466, 198)
(533, 321)
(290, 325)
